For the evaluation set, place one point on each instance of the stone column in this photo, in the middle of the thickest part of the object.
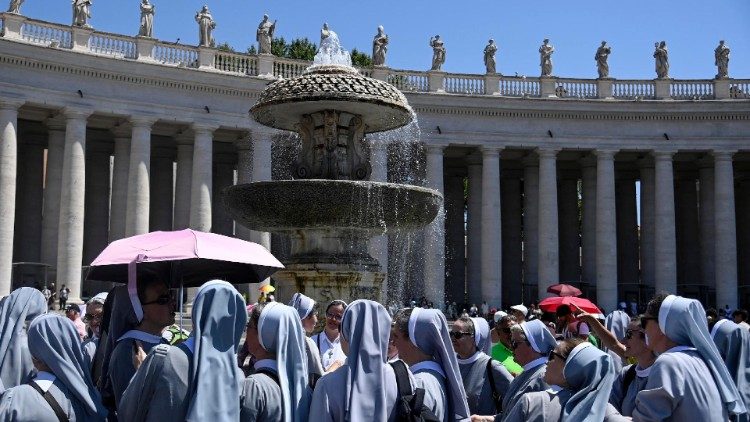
(139, 174)
(606, 231)
(549, 262)
(726, 230)
(200, 193)
(455, 238)
(8, 166)
(665, 243)
(183, 182)
(434, 284)
(28, 231)
(648, 224)
(223, 176)
(512, 269)
(52, 189)
(567, 201)
(627, 232)
(474, 231)
(96, 214)
(162, 177)
(120, 169)
(72, 201)
(530, 227)
(244, 175)
(379, 163)
(262, 165)
(707, 223)
(588, 220)
(687, 233)
(491, 228)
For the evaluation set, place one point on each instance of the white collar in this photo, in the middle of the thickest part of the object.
(266, 364)
(427, 365)
(473, 358)
(642, 373)
(680, 349)
(44, 380)
(554, 389)
(324, 336)
(534, 363)
(142, 336)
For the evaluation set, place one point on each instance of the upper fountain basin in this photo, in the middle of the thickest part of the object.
(287, 205)
(332, 87)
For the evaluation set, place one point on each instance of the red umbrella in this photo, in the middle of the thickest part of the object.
(564, 290)
(550, 304)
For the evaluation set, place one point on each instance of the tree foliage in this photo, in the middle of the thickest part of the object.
(225, 47)
(361, 59)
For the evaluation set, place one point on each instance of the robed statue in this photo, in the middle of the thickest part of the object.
(15, 6)
(661, 60)
(379, 47)
(721, 56)
(206, 25)
(147, 19)
(81, 13)
(489, 56)
(545, 57)
(601, 56)
(438, 52)
(264, 35)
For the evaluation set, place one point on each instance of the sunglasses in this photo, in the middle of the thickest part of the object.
(629, 333)
(92, 317)
(457, 335)
(161, 300)
(514, 344)
(334, 316)
(645, 320)
(552, 355)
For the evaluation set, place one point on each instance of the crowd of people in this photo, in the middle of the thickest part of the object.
(264, 362)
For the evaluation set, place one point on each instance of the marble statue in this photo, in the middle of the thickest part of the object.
(15, 6)
(661, 58)
(545, 57)
(206, 25)
(721, 54)
(438, 52)
(147, 19)
(601, 56)
(489, 56)
(264, 35)
(324, 33)
(379, 47)
(81, 13)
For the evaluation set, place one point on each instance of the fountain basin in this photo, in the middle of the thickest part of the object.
(371, 207)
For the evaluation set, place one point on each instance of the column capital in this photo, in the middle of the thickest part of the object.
(663, 155)
(138, 121)
(435, 149)
(122, 130)
(204, 127)
(76, 113)
(547, 152)
(491, 150)
(11, 103)
(723, 155)
(605, 154)
(263, 133)
(244, 144)
(56, 122)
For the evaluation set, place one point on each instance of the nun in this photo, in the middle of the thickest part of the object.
(688, 380)
(616, 323)
(16, 310)
(423, 340)
(733, 343)
(62, 388)
(307, 308)
(580, 378)
(485, 380)
(197, 380)
(278, 390)
(93, 317)
(364, 388)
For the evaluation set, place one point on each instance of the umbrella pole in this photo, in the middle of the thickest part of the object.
(181, 300)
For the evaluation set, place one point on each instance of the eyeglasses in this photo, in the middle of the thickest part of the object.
(629, 333)
(552, 355)
(645, 320)
(161, 300)
(514, 344)
(458, 335)
(92, 317)
(334, 316)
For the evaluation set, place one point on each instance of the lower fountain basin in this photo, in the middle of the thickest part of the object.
(289, 205)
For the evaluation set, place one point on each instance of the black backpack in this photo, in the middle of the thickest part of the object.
(411, 407)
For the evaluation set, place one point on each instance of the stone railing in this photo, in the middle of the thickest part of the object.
(22, 29)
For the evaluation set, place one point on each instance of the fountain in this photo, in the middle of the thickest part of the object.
(330, 209)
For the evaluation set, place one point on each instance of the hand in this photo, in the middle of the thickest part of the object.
(583, 315)
(477, 418)
(334, 366)
(138, 354)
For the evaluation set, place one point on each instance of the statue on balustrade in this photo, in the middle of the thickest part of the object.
(661, 58)
(264, 35)
(545, 57)
(489, 56)
(721, 54)
(147, 19)
(15, 6)
(438, 52)
(379, 47)
(81, 13)
(206, 25)
(601, 56)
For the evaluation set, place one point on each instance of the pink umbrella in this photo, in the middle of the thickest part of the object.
(188, 257)
(564, 290)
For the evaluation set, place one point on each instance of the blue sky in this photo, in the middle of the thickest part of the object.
(692, 29)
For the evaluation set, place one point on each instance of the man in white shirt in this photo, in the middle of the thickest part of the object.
(329, 340)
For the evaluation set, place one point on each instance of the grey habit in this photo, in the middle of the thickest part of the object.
(262, 399)
(474, 373)
(364, 388)
(304, 306)
(690, 381)
(428, 331)
(733, 342)
(617, 323)
(53, 339)
(199, 380)
(532, 377)
(16, 309)
(624, 401)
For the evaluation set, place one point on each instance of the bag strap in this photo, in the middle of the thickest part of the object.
(158, 354)
(402, 378)
(628, 379)
(273, 375)
(495, 395)
(59, 412)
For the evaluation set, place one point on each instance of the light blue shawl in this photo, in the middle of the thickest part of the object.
(366, 326)
(683, 321)
(22, 305)
(589, 374)
(733, 343)
(219, 318)
(53, 339)
(482, 335)
(428, 330)
(303, 304)
(539, 337)
(280, 332)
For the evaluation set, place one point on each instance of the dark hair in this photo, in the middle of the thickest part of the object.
(335, 302)
(566, 346)
(741, 313)
(466, 320)
(563, 310)
(654, 305)
(506, 319)
(712, 313)
(252, 319)
(146, 280)
(401, 320)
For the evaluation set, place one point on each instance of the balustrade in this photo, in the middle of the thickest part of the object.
(236, 63)
(46, 34)
(519, 86)
(176, 54)
(633, 89)
(739, 89)
(409, 81)
(113, 45)
(576, 88)
(289, 68)
(692, 90)
(464, 84)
